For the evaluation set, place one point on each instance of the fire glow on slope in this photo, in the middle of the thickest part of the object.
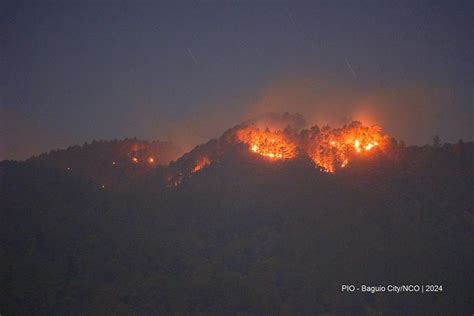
(201, 163)
(270, 144)
(328, 148)
(331, 148)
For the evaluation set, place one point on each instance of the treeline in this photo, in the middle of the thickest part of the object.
(243, 236)
(113, 164)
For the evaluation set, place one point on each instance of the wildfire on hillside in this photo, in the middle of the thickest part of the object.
(271, 144)
(329, 148)
(332, 148)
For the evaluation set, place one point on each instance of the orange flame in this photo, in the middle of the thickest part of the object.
(271, 144)
(331, 148)
(328, 148)
(201, 163)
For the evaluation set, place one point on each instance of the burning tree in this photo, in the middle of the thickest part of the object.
(274, 144)
(332, 148)
(328, 148)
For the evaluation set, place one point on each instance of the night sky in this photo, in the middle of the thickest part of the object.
(75, 71)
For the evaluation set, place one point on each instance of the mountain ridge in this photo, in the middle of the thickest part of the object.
(244, 234)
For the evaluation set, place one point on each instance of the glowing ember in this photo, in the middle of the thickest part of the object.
(357, 145)
(201, 163)
(135, 159)
(151, 160)
(271, 144)
(344, 163)
(174, 180)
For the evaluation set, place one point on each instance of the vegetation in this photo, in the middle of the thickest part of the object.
(114, 164)
(242, 236)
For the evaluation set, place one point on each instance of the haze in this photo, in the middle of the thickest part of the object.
(77, 71)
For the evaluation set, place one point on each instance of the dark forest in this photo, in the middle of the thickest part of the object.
(242, 235)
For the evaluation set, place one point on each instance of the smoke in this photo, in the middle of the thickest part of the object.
(205, 123)
(410, 111)
(321, 101)
(278, 121)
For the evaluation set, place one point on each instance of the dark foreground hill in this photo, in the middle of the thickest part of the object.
(113, 164)
(243, 236)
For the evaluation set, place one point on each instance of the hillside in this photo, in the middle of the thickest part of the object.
(113, 164)
(244, 234)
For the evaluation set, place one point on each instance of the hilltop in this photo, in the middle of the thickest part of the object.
(245, 233)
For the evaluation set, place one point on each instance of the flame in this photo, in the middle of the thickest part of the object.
(135, 159)
(271, 144)
(328, 148)
(201, 163)
(344, 163)
(369, 146)
(331, 148)
(357, 145)
(151, 160)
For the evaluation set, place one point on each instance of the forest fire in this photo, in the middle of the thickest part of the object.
(270, 144)
(331, 148)
(328, 148)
